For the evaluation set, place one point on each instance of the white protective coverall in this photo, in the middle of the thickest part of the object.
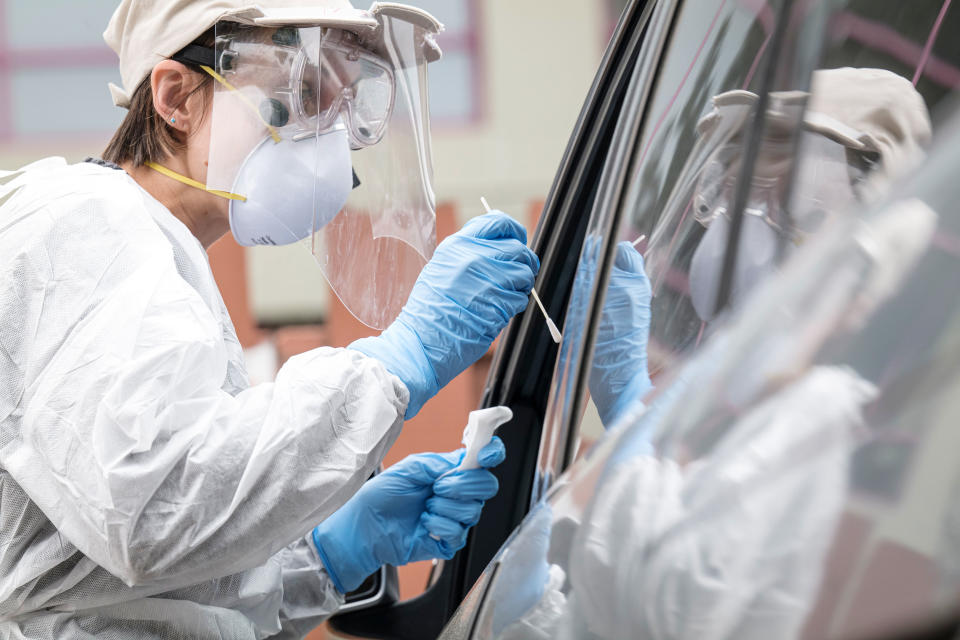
(146, 490)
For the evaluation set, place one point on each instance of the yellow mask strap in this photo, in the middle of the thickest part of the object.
(193, 183)
(219, 78)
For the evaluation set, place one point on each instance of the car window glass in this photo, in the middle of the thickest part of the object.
(689, 161)
(796, 472)
(746, 501)
(712, 45)
(870, 108)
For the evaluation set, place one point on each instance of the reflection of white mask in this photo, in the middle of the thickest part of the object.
(292, 188)
(756, 257)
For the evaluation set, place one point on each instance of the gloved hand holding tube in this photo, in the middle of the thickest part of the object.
(477, 435)
(477, 280)
(415, 510)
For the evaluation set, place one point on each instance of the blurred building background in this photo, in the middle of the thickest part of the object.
(504, 100)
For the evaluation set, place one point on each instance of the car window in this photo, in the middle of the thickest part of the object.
(814, 153)
(709, 46)
(745, 501)
(795, 473)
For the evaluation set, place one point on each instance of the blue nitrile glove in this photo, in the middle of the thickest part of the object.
(391, 518)
(477, 280)
(618, 375)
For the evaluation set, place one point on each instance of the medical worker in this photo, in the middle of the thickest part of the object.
(146, 489)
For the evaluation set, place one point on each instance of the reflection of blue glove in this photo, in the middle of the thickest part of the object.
(524, 570)
(619, 377)
(391, 518)
(477, 280)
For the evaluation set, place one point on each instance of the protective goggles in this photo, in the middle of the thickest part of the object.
(313, 88)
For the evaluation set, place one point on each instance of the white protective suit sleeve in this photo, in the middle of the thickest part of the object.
(309, 596)
(116, 425)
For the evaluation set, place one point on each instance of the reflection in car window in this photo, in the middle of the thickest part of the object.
(867, 119)
(819, 155)
(714, 44)
(737, 506)
(797, 472)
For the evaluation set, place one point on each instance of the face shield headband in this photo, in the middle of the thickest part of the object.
(824, 175)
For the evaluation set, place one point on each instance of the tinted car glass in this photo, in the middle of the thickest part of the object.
(741, 503)
(688, 163)
(708, 47)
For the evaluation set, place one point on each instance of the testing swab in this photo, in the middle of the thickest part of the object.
(481, 424)
(554, 332)
(642, 237)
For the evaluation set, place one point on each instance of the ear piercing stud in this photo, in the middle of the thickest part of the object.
(173, 119)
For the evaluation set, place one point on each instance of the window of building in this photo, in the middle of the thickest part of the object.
(54, 73)
(457, 84)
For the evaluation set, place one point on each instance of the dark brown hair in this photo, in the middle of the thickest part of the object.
(144, 136)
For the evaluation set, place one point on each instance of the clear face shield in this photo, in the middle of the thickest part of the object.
(316, 138)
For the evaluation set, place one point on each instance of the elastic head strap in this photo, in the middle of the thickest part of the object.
(205, 59)
(190, 182)
(196, 55)
(243, 97)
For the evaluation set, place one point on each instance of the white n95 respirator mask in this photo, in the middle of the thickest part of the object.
(756, 258)
(292, 188)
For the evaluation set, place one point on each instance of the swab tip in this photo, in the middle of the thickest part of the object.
(554, 332)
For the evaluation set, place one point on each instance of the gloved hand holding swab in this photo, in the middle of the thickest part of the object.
(554, 332)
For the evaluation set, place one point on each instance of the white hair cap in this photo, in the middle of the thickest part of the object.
(145, 32)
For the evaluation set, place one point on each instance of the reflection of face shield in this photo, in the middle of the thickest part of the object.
(824, 185)
(319, 138)
(811, 159)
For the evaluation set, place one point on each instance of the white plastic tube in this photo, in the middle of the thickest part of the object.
(481, 425)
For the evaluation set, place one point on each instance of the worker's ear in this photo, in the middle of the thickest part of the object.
(175, 97)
